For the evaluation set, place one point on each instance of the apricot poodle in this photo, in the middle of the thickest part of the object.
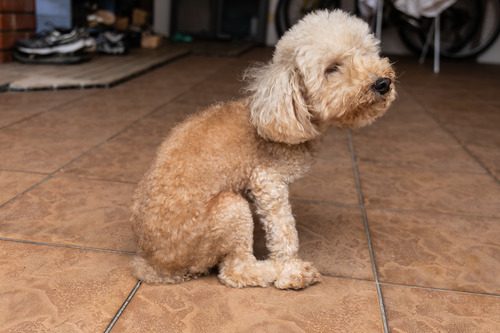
(193, 208)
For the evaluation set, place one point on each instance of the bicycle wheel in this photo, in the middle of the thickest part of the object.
(289, 12)
(468, 28)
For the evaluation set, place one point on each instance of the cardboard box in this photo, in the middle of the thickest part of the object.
(139, 17)
(149, 41)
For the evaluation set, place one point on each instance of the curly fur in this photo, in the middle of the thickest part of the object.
(193, 208)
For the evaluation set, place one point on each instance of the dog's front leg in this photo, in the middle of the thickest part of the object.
(270, 193)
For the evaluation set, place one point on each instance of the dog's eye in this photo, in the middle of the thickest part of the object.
(332, 69)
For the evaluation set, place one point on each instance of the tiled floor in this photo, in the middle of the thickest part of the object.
(402, 218)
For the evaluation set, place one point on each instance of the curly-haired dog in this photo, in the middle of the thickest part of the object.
(192, 209)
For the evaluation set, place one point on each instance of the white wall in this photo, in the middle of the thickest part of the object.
(161, 17)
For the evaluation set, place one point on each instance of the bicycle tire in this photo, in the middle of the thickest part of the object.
(413, 32)
(283, 22)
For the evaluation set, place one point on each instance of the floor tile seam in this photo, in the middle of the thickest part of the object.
(430, 212)
(52, 109)
(346, 277)
(486, 294)
(416, 168)
(201, 82)
(97, 179)
(371, 251)
(413, 166)
(122, 308)
(124, 129)
(25, 171)
(451, 134)
(67, 246)
(323, 202)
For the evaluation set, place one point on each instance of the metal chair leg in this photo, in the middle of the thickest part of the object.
(427, 43)
(380, 17)
(437, 43)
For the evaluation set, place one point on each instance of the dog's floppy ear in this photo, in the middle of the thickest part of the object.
(278, 108)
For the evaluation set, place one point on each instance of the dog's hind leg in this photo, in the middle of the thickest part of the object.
(239, 267)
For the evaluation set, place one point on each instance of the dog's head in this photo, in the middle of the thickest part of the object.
(326, 70)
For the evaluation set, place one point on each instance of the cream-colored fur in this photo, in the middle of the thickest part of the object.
(193, 209)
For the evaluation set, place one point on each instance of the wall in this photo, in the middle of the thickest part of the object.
(53, 13)
(161, 17)
(17, 20)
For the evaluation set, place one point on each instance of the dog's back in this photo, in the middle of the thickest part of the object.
(209, 153)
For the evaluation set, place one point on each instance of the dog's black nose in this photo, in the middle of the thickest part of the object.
(382, 85)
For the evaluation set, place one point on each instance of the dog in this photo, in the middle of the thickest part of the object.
(193, 209)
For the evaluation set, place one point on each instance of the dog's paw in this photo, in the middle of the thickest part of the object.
(252, 273)
(297, 274)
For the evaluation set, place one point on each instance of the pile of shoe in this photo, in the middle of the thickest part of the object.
(110, 42)
(105, 33)
(55, 46)
(102, 27)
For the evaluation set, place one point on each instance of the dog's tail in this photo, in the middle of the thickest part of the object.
(145, 272)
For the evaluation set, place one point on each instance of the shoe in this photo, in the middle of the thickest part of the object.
(54, 59)
(111, 43)
(55, 41)
(101, 17)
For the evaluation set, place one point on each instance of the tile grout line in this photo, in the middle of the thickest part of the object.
(69, 246)
(450, 133)
(52, 109)
(441, 289)
(415, 167)
(24, 171)
(362, 208)
(344, 277)
(123, 306)
(435, 212)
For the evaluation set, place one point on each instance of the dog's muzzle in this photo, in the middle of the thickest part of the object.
(382, 85)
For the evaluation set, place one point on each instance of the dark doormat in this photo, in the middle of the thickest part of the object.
(100, 72)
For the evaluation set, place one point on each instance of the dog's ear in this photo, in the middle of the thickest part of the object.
(278, 107)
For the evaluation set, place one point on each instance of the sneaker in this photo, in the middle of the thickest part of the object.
(105, 17)
(53, 59)
(111, 43)
(55, 41)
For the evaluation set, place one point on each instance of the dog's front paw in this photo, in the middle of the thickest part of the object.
(297, 274)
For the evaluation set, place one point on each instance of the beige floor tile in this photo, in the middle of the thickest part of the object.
(13, 183)
(60, 290)
(69, 210)
(15, 107)
(50, 140)
(205, 98)
(128, 156)
(434, 250)
(414, 189)
(327, 181)
(412, 310)
(483, 144)
(334, 148)
(333, 238)
(188, 70)
(461, 113)
(335, 305)
(489, 157)
(406, 120)
(424, 153)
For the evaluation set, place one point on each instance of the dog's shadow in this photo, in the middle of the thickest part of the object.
(259, 240)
